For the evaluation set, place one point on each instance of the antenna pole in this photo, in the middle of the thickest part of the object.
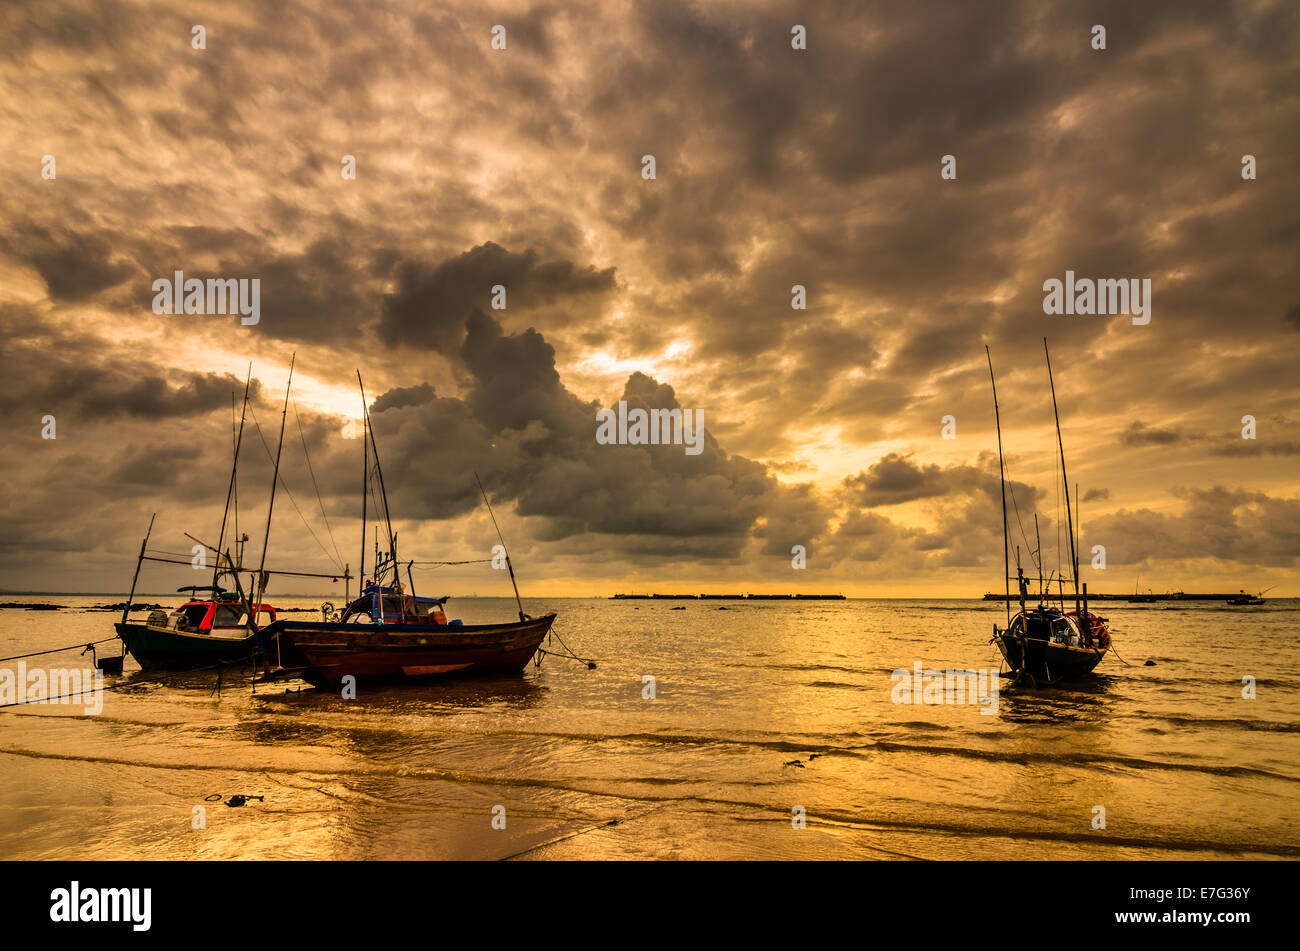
(1002, 477)
(1065, 481)
(519, 604)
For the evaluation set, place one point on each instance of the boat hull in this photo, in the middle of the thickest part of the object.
(323, 653)
(1045, 662)
(155, 649)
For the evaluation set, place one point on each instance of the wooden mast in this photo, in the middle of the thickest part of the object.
(275, 478)
(1002, 478)
(383, 492)
(365, 485)
(1038, 540)
(136, 577)
(519, 604)
(1065, 483)
(230, 490)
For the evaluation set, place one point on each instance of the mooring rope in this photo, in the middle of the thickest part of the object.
(126, 683)
(84, 647)
(591, 664)
(1117, 657)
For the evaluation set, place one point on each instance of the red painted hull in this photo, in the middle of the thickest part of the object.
(328, 652)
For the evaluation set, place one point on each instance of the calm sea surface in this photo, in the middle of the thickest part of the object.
(758, 710)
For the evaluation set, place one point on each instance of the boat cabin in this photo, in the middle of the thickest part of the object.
(381, 605)
(223, 617)
(1057, 627)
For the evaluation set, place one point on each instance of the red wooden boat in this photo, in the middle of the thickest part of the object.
(324, 652)
(390, 634)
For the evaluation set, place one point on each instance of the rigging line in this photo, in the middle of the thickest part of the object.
(1056, 470)
(376, 486)
(377, 500)
(1006, 478)
(234, 476)
(377, 497)
(261, 438)
(298, 419)
(234, 470)
(335, 575)
(476, 561)
(1019, 523)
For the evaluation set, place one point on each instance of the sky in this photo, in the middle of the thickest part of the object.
(858, 429)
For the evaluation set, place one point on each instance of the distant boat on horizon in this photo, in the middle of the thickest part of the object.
(1242, 598)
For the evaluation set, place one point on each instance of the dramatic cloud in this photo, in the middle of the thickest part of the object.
(781, 175)
(430, 304)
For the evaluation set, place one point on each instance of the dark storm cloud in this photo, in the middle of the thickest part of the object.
(963, 504)
(431, 304)
(319, 295)
(1215, 523)
(1256, 447)
(70, 377)
(896, 479)
(73, 266)
(775, 167)
(403, 396)
(534, 442)
(797, 517)
(1140, 434)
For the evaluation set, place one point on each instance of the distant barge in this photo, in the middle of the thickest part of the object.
(728, 597)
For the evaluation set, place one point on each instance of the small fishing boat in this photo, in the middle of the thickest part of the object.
(1137, 598)
(198, 633)
(1243, 599)
(389, 633)
(222, 625)
(386, 635)
(1047, 643)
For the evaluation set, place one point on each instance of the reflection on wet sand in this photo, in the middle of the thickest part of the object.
(755, 712)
